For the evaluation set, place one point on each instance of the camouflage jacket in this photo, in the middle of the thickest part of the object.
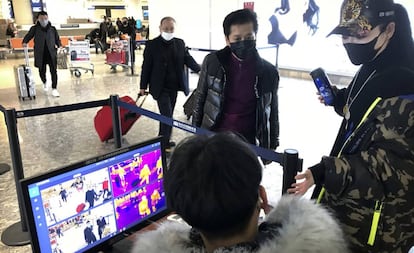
(370, 184)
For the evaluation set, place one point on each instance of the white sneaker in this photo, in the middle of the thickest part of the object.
(45, 88)
(55, 93)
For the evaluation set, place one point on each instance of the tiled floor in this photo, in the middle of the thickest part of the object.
(55, 140)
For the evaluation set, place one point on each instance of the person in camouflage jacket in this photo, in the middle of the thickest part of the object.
(368, 179)
(370, 185)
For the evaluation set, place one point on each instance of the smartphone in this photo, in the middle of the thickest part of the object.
(323, 85)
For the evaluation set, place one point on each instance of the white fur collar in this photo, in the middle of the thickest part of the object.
(306, 227)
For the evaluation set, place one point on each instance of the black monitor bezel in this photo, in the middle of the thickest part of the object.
(64, 169)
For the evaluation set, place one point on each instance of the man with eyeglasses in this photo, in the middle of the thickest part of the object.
(237, 89)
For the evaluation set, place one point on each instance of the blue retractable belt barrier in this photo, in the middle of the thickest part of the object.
(61, 108)
(262, 152)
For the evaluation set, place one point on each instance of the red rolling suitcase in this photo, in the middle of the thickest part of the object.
(103, 119)
(80, 207)
(115, 57)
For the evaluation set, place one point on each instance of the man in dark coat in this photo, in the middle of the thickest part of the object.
(101, 222)
(128, 29)
(163, 71)
(94, 37)
(88, 233)
(237, 89)
(90, 197)
(46, 42)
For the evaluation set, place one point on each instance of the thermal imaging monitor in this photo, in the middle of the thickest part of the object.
(92, 204)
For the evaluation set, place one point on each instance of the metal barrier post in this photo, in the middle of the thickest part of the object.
(116, 120)
(132, 53)
(17, 234)
(277, 57)
(291, 166)
(131, 57)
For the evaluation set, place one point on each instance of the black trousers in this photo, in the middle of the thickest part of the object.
(47, 60)
(166, 104)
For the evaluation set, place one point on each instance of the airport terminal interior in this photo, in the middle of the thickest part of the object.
(52, 141)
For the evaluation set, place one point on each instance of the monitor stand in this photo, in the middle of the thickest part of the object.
(15, 236)
(4, 168)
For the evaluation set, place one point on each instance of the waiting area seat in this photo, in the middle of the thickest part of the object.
(139, 40)
(16, 44)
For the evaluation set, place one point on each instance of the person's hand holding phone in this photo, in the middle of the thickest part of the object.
(320, 98)
(324, 88)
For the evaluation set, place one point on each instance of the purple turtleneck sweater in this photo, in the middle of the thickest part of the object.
(239, 112)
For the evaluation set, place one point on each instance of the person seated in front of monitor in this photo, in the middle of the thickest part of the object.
(213, 183)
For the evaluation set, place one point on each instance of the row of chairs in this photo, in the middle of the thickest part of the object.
(16, 44)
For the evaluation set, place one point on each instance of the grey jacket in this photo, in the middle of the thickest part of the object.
(296, 226)
(42, 36)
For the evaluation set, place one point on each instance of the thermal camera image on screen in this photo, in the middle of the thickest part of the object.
(74, 211)
(135, 173)
(139, 203)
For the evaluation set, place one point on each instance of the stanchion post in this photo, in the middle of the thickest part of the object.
(116, 121)
(291, 166)
(132, 58)
(277, 57)
(187, 76)
(17, 234)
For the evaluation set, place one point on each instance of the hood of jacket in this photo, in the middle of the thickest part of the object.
(303, 227)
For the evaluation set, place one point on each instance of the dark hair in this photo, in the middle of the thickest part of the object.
(213, 183)
(401, 45)
(167, 18)
(239, 17)
(42, 13)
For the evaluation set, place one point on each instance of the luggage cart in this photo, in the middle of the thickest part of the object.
(119, 54)
(79, 55)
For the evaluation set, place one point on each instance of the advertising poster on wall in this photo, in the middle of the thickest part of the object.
(79, 51)
(299, 27)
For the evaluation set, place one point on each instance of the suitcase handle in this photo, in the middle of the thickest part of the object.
(26, 55)
(132, 115)
(139, 96)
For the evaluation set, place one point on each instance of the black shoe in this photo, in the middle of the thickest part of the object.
(171, 144)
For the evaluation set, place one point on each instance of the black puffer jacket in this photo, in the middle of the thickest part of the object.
(209, 96)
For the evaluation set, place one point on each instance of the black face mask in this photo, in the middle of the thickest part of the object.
(361, 53)
(243, 48)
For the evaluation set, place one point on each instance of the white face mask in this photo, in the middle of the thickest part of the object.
(167, 36)
(44, 23)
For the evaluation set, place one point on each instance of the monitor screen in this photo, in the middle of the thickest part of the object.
(94, 203)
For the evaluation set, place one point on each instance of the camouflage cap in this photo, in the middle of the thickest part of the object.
(361, 16)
